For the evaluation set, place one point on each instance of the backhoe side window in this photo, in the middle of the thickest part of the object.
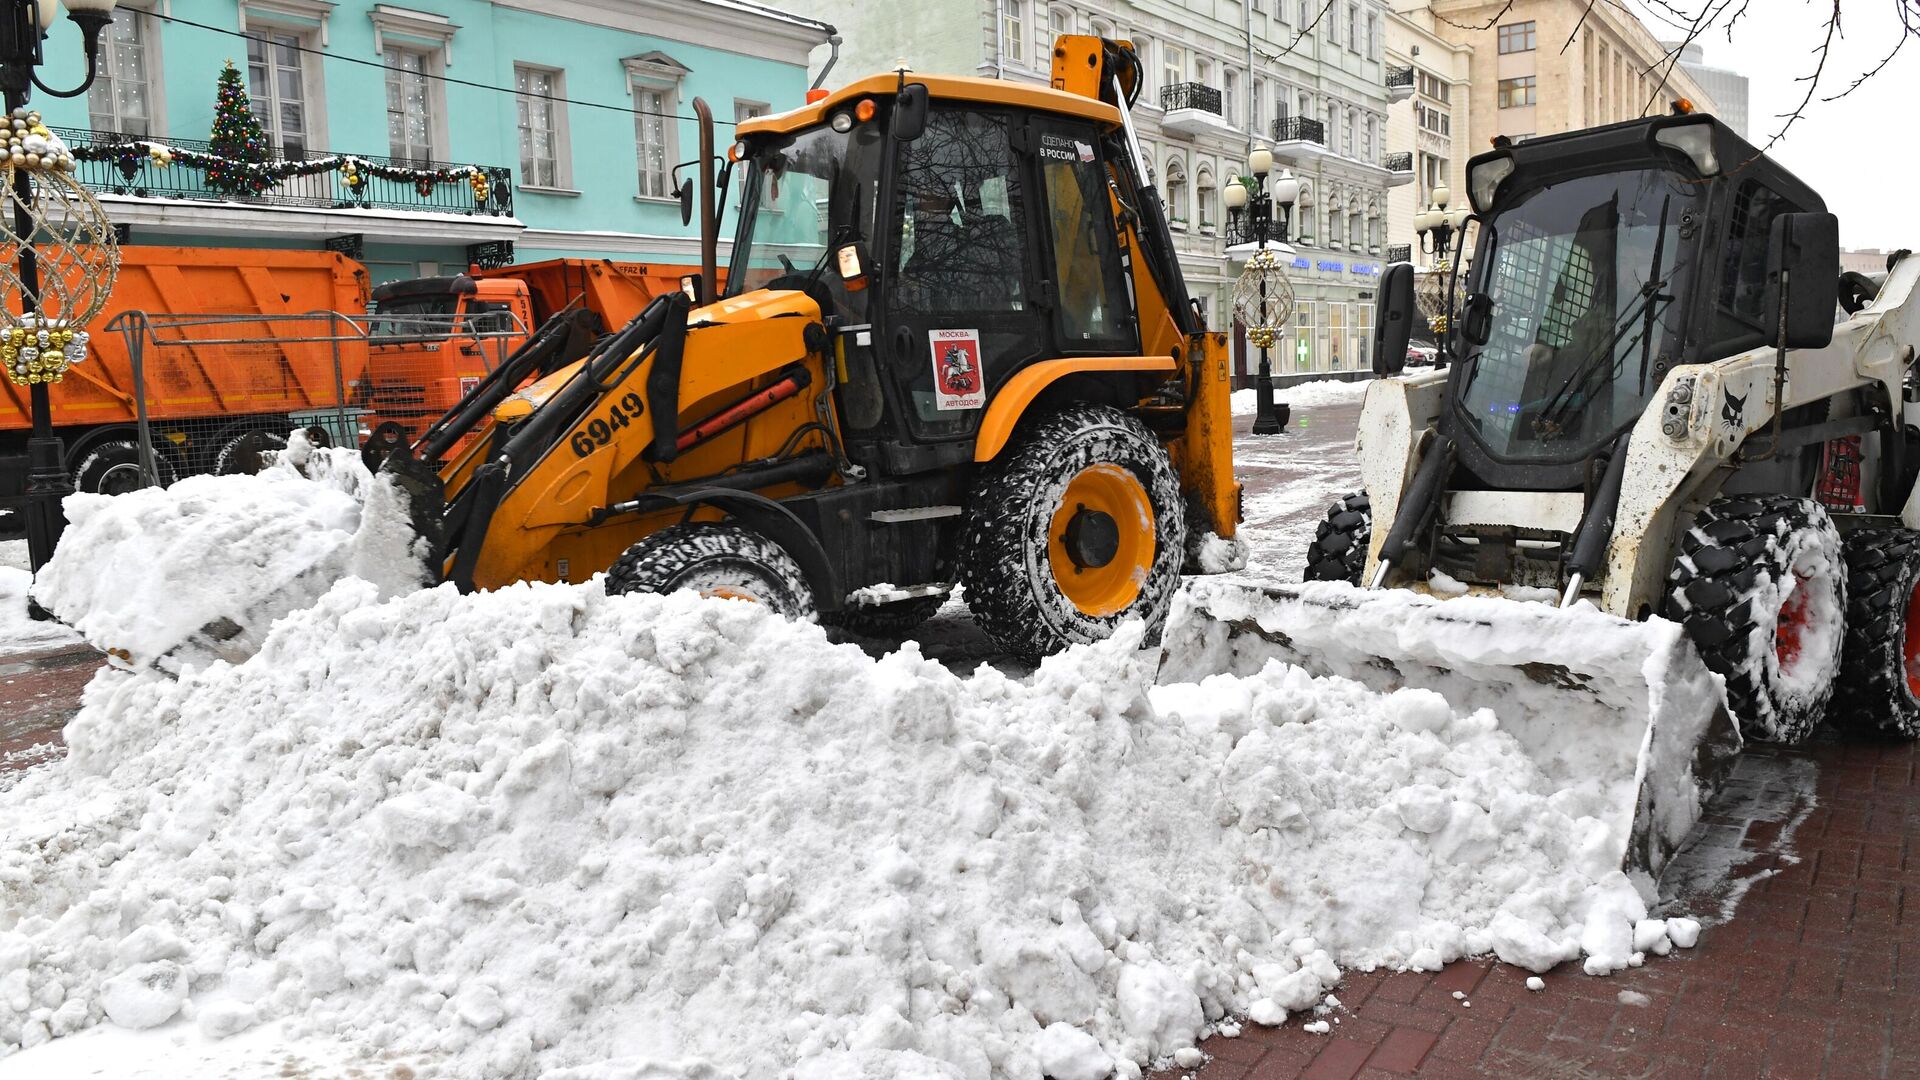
(1085, 268)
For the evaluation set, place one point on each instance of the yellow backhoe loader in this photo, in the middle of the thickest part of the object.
(954, 348)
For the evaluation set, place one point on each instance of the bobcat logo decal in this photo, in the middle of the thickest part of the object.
(1734, 410)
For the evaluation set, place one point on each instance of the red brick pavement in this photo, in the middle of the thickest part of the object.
(1817, 974)
(39, 692)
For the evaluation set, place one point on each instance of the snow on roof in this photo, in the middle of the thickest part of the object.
(750, 8)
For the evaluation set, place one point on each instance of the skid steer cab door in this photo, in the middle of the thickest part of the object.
(999, 253)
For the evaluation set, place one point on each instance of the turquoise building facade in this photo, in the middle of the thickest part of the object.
(486, 131)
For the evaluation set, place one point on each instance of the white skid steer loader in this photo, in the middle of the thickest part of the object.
(1650, 407)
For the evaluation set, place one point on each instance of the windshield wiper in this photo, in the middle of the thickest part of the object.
(1645, 308)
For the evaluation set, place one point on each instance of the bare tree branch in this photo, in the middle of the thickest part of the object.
(1274, 58)
(1488, 25)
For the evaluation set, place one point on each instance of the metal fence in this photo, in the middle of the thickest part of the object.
(212, 391)
(130, 170)
(1190, 95)
(1299, 129)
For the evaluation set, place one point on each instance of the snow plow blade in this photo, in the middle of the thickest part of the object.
(1623, 716)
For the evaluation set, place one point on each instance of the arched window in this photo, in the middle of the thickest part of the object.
(1060, 20)
(1355, 239)
(1177, 191)
(1204, 193)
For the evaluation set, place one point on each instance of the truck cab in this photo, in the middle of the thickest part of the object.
(433, 339)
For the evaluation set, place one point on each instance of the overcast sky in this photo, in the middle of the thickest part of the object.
(1860, 152)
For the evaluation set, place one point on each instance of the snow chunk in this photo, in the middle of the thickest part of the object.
(1683, 932)
(1536, 983)
(1067, 1053)
(146, 995)
(1633, 998)
(1156, 1005)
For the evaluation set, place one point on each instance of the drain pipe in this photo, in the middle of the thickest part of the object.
(833, 39)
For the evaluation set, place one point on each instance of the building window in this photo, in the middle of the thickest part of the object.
(277, 85)
(1011, 32)
(1177, 191)
(409, 105)
(1173, 65)
(1060, 20)
(1204, 195)
(120, 100)
(1515, 93)
(1203, 71)
(1433, 120)
(1259, 105)
(1373, 36)
(1435, 87)
(1353, 28)
(1517, 37)
(1230, 96)
(542, 146)
(1308, 9)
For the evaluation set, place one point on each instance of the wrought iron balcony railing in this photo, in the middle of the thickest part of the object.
(1401, 162)
(1401, 76)
(109, 163)
(1299, 129)
(1190, 95)
(1400, 253)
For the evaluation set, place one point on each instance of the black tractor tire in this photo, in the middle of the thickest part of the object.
(715, 559)
(1878, 691)
(113, 468)
(1338, 551)
(1760, 587)
(244, 453)
(1022, 582)
(893, 621)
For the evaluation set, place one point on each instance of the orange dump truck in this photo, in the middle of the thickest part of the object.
(201, 399)
(416, 377)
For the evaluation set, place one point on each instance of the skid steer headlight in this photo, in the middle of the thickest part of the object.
(842, 122)
(1694, 140)
(1483, 180)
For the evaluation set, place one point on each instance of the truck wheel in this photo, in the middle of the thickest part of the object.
(1879, 686)
(1760, 586)
(1076, 528)
(113, 468)
(1339, 548)
(718, 559)
(243, 453)
(894, 620)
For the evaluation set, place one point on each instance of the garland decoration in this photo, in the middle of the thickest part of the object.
(353, 170)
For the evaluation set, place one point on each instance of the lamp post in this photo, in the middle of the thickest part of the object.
(1258, 203)
(1439, 228)
(23, 25)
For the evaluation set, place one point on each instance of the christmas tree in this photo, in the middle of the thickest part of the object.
(238, 142)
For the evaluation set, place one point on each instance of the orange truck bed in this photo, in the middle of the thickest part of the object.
(210, 381)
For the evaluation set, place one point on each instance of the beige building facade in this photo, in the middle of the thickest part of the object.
(1432, 121)
(1532, 74)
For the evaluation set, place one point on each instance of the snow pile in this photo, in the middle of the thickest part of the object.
(17, 630)
(544, 831)
(1306, 395)
(178, 575)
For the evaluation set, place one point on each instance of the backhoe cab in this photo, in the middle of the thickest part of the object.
(1652, 407)
(954, 347)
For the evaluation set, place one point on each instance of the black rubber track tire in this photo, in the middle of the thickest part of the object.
(893, 621)
(113, 461)
(1004, 565)
(681, 556)
(1338, 551)
(1873, 694)
(1740, 546)
(233, 452)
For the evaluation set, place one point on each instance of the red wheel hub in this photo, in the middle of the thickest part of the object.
(1795, 615)
(1910, 650)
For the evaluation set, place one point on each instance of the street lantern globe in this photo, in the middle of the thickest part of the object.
(1260, 161)
(1440, 196)
(1423, 221)
(90, 7)
(1286, 189)
(46, 11)
(1458, 218)
(1235, 195)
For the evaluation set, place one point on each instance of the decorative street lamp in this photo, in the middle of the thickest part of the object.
(1439, 228)
(23, 25)
(1263, 317)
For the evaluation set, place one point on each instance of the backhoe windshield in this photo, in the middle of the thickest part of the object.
(1586, 278)
(805, 194)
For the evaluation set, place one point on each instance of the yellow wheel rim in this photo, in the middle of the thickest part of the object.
(1100, 542)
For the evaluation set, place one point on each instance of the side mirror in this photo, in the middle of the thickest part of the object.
(1393, 319)
(1476, 318)
(1803, 279)
(856, 266)
(684, 192)
(910, 112)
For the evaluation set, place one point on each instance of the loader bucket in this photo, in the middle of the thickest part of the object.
(1622, 717)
